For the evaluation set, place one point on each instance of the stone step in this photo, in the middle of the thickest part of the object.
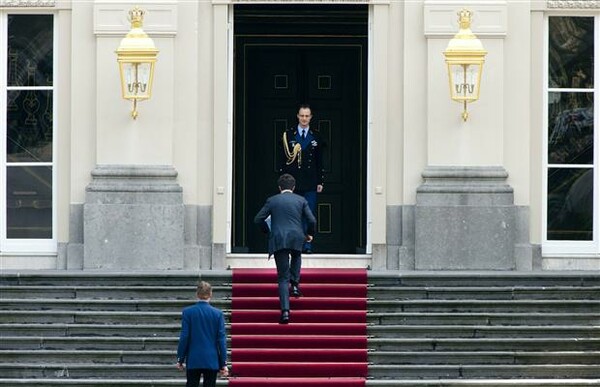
(382, 292)
(497, 306)
(492, 306)
(481, 331)
(484, 357)
(94, 382)
(470, 329)
(483, 278)
(369, 383)
(389, 331)
(91, 330)
(89, 370)
(110, 358)
(109, 292)
(103, 305)
(89, 317)
(116, 357)
(89, 343)
(379, 344)
(223, 277)
(485, 344)
(483, 383)
(562, 371)
(491, 319)
(391, 318)
(377, 371)
(377, 292)
(108, 278)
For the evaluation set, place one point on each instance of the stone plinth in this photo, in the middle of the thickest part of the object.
(465, 219)
(133, 219)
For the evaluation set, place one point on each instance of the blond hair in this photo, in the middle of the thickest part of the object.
(204, 290)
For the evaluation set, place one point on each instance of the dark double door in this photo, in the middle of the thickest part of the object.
(273, 76)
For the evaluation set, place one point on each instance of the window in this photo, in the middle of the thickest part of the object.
(571, 156)
(27, 133)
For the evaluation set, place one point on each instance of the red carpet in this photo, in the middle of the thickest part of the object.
(325, 343)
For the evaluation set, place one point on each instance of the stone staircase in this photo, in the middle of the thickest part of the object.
(426, 328)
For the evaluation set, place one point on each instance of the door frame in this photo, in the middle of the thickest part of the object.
(230, 138)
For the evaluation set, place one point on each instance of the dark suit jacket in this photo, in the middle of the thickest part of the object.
(308, 168)
(202, 342)
(287, 210)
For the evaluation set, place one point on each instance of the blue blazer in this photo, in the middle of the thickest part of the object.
(202, 342)
(287, 211)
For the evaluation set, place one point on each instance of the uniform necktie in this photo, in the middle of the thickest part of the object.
(304, 134)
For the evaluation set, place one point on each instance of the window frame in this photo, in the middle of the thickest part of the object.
(571, 248)
(21, 246)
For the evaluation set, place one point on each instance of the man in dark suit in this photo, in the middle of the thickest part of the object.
(202, 342)
(282, 217)
(303, 159)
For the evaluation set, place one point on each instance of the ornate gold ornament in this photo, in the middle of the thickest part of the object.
(296, 151)
(464, 57)
(136, 56)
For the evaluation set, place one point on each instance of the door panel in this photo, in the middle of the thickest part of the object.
(277, 76)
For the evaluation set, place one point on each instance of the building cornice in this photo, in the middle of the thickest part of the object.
(27, 3)
(573, 4)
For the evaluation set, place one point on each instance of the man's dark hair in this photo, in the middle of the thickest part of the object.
(286, 181)
(304, 106)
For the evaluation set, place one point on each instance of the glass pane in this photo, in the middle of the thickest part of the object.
(464, 81)
(137, 79)
(29, 126)
(570, 203)
(29, 202)
(570, 128)
(30, 53)
(571, 52)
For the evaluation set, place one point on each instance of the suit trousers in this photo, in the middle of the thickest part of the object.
(311, 198)
(193, 377)
(288, 263)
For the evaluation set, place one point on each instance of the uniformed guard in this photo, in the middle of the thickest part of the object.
(303, 159)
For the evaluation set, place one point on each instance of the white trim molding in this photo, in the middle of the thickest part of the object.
(111, 18)
(441, 18)
(27, 3)
(574, 4)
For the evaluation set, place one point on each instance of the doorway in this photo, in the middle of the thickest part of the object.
(285, 56)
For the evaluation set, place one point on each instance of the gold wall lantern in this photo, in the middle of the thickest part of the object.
(464, 57)
(136, 56)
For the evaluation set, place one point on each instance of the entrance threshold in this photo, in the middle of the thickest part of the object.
(308, 260)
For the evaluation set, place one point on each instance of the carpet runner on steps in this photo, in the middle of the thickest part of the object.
(325, 343)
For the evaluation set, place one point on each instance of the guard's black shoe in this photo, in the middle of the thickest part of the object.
(296, 291)
(285, 317)
(307, 250)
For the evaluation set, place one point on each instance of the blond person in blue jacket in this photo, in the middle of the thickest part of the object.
(202, 342)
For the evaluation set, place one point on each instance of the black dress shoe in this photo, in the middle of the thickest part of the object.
(285, 317)
(307, 251)
(296, 291)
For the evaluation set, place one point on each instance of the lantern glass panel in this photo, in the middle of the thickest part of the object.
(136, 80)
(464, 81)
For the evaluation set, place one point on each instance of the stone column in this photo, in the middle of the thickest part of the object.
(465, 219)
(133, 219)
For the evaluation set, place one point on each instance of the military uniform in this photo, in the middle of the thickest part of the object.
(303, 159)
